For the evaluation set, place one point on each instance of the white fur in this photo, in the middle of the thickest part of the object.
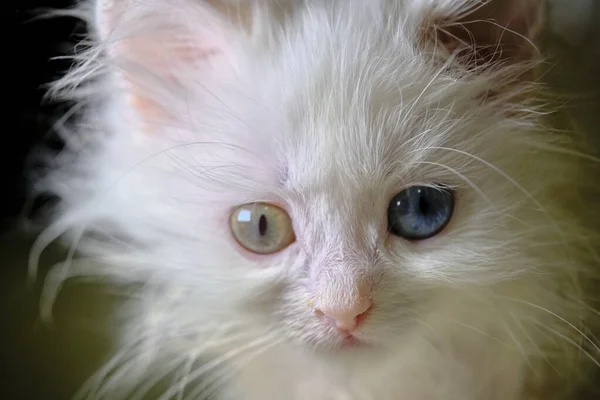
(329, 112)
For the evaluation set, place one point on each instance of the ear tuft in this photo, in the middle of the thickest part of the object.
(485, 33)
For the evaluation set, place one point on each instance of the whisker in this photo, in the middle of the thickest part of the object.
(186, 372)
(217, 362)
(517, 343)
(215, 382)
(94, 384)
(535, 345)
(579, 331)
(570, 341)
(487, 335)
(116, 385)
(153, 380)
(210, 343)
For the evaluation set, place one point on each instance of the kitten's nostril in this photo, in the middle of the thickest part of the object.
(346, 319)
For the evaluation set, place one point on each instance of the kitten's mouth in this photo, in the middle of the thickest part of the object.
(340, 344)
(352, 342)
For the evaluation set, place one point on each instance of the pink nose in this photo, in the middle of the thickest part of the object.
(347, 318)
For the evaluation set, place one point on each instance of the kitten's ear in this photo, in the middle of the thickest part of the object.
(485, 33)
(157, 42)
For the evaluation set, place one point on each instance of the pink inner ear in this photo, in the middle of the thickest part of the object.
(173, 59)
(162, 36)
(156, 44)
(148, 109)
(165, 54)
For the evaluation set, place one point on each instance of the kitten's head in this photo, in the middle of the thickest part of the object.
(333, 173)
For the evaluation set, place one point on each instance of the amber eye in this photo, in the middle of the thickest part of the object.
(262, 228)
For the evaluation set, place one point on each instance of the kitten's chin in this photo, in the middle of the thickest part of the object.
(348, 354)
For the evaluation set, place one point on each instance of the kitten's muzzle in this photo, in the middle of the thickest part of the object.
(347, 317)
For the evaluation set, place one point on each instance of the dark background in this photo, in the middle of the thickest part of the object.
(34, 42)
(37, 361)
(50, 362)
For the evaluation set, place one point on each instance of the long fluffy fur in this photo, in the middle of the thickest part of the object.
(329, 107)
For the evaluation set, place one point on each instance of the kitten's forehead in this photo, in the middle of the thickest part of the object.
(357, 129)
(353, 112)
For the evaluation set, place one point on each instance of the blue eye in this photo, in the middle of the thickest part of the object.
(420, 212)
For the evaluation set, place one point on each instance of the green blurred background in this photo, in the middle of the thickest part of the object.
(50, 362)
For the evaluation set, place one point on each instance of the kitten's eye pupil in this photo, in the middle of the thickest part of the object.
(262, 225)
(423, 206)
(420, 212)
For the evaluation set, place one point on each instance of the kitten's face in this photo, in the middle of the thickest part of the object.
(326, 175)
(348, 188)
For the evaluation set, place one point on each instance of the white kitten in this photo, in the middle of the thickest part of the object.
(327, 199)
